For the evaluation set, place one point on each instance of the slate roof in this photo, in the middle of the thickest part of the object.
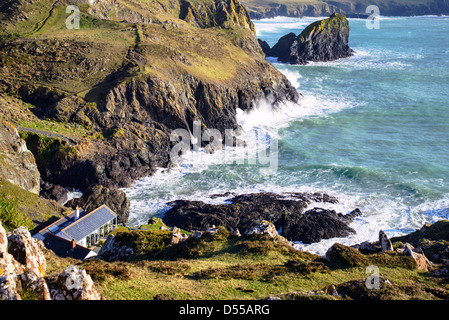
(58, 225)
(63, 247)
(88, 223)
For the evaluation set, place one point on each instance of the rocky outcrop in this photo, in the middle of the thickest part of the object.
(216, 13)
(75, 284)
(9, 268)
(17, 163)
(355, 9)
(113, 249)
(285, 212)
(132, 244)
(137, 93)
(432, 239)
(97, 196)
(22, 265)
(23, 268)
(298, 10)
(418, 255)
(266, 227)
(385, 242)
(324, 40)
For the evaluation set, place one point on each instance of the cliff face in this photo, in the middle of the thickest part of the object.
(17, 164)
(131, 75)
(259, 9)
(323, 40)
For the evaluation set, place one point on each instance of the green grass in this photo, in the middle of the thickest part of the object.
(224, 266)
(10, 216)
(19, 207)
(63, 128)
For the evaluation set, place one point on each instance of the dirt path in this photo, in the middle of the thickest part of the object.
(49, 134)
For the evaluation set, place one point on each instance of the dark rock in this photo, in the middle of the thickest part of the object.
(265, 46)
(98, 196)
(248, 210)
(53, 192)
(323, 40)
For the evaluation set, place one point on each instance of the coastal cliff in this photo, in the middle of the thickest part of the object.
(129, 76)
(261, 9)
(323, 40)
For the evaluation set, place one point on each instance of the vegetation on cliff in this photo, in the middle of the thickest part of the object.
(133, 72)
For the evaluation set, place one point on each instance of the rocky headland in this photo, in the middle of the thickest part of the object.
(96, 106)
(93, 109)
(259, 9)
(323, 40)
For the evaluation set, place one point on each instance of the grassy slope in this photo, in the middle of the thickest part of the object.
(19, 207)
(230, 267)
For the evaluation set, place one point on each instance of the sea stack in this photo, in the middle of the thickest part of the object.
(323, 40)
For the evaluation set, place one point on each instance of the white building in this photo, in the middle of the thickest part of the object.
(80, 228)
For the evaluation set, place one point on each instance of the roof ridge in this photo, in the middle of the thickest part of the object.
(63, 217)
(87, 215)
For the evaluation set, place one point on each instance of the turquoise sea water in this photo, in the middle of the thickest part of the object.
(372, 129)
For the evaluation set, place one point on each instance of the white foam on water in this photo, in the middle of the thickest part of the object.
(392, 216)
(292, 76)
(149, 195)
(266, 115)
(270, 25)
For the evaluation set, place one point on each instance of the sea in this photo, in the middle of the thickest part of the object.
(371, 130)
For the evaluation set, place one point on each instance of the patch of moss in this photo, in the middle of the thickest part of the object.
(47, 149)
(101, 271)
(144, 242)
(341, 256)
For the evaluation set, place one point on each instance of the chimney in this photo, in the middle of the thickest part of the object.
(77, 213)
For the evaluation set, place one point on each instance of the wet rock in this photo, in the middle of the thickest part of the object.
(265, 46)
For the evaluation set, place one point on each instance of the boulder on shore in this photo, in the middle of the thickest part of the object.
(324, 40)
